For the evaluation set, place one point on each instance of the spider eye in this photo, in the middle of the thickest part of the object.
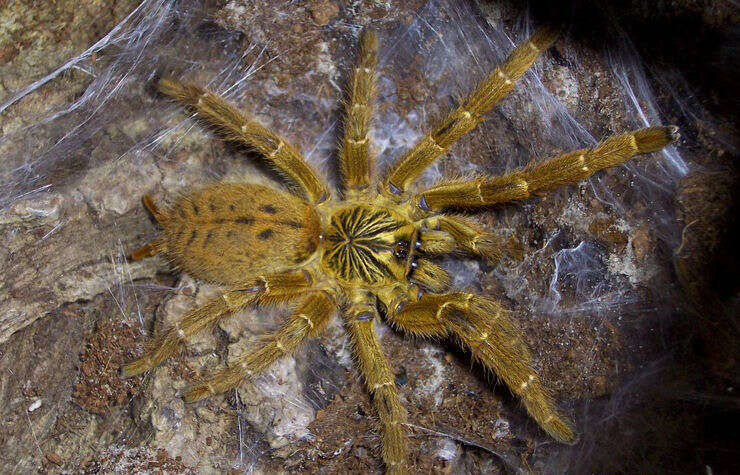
(401, 249)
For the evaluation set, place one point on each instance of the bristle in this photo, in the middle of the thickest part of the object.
(234, 126)
(561, 430)
(196, 393)
(356, 157)
(171, 88)
(134, 368)
(431, 276)
(488, 246)
(436, 242)
(538, 177)
(307, 320)
(545, 36)
(381, 384)
(470, 113)
(145, 251)
(653, 139)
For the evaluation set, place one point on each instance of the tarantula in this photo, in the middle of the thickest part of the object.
(369, 249)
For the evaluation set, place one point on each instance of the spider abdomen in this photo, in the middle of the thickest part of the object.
(228, 232)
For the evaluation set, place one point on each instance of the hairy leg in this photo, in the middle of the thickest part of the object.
(469, 114)
(380, 382)
(465, 235)
(355, 154)
(235, 126)
(482, 326)
(306, 321)
(429, 275)
(540, 177)
(434, 242)
(268, 289)
(156, 246)
(148, 250)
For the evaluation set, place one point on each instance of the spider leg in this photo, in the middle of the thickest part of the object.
(355, 154)
(157, 245)
(430, 276)
(235, 126)
(147, 250)
(482, 325)
(469, 114)
(539, 177)
(152, 208)
(308, 320)
(434, 242)
(456, 232)
(380, 383)
(268, 289)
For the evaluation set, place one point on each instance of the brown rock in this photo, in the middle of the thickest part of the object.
(605, 230)
(54, 458)
(324, 12)
(641, 243)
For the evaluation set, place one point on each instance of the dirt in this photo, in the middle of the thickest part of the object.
(100, 387)
(136, 460)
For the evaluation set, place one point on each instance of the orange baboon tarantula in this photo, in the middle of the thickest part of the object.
(369, 248)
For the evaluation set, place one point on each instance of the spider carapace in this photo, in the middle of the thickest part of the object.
(370, 245)
(371, 248)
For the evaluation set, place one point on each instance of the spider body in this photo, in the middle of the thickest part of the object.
(225, 231)
(372, 247)
(362, 245)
